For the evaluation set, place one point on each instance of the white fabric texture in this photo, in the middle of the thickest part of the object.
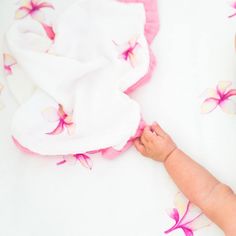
(82, 71)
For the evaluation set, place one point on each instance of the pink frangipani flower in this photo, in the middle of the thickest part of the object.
(234, 6)
(64, 120)
(187, 217)
(128, 51)
(34, 8)
(8, 63)
(84, 160)
(221, 96)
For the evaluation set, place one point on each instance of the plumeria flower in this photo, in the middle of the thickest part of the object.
(34, 8)
(8, 63)
(187, 217)
(84, 160)
(63, 120)
(221, 96)
(128, 50)
(234, 6)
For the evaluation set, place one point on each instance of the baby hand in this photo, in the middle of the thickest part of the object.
(155, 143)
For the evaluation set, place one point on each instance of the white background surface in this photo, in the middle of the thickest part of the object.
(129, 195)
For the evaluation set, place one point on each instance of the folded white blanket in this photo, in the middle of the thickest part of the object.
(74, 100)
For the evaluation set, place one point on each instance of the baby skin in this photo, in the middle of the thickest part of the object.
(206, 192)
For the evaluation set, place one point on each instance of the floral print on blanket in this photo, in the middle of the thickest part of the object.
(35, 9)
(84, 160)
(8, 63)
(187, 217)
(222, 97)
(127, 51)
(63, 120)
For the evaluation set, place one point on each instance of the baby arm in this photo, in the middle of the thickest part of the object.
(215, 199)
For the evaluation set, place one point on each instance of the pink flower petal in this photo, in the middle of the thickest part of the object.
(187, 216)
(223, 86)
(49, 31)
(22, 12)
(228, 106)
(230, 93)
(58, 130)
(198, 222)
(38, 15)
(209, 105)
(8, 70)
(210, 93)
(70, 129)
(45, 5)
(61, 112)
(174, 214)
(61, 162)
(84, 160)
(188, 232)
(50, 114)
(8, 60)
(132, 59)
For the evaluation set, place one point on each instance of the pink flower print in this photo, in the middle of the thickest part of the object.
(128, 51)
(49, 31)
(221, 96)
(234, 6)
(8, 63)
(34, 8)
(64, 120)
(84, 160)
(187, 217)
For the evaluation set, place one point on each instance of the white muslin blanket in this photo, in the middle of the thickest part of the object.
(73, 85)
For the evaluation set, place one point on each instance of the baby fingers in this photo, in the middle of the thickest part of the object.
(148, 135)
(139, 146)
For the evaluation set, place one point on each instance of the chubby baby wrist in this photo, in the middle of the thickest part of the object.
(171, 154)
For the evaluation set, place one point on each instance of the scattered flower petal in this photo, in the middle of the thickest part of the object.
(34, 8)
(84, 160)
(221, 96)
(64, 120)
(8, 63)
(61, 162)
(49, 31)
(30, 7)
(128, 51)
(209, 105)
(187, 217)
(228, 106)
